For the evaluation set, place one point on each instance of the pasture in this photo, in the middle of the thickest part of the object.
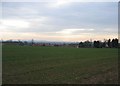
(59, 65)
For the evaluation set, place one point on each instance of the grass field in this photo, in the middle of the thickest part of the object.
(58, 65)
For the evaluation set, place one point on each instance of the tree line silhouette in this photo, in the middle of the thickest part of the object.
(110, 43)
(98, 44)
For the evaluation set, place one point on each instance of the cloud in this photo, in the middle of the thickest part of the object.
(62, 19)
(59, 3)
(57, 0)
(73, 31)
(15, 23)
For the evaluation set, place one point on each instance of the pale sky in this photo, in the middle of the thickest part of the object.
(59, 20)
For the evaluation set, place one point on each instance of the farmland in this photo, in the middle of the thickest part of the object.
(59, 65)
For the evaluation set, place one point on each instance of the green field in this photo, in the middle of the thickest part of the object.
(59, 65)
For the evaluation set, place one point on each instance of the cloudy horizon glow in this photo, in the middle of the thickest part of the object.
(59, 21)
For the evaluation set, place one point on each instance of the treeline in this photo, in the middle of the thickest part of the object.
(11, 42)
(110, 43)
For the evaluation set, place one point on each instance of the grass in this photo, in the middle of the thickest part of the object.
(59, 65)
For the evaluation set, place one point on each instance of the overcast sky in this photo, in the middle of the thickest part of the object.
(59, 21)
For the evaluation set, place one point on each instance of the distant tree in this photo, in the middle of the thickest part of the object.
(25, 42)
(103, 44)
(116, 43)
(20, 42)
(81, 44)
(113, 43)
(94, 43)
(109, 43)
(87, 43)
(97, 44)
(32, 41)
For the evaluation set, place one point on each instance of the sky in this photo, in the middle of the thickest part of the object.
(59, 20)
